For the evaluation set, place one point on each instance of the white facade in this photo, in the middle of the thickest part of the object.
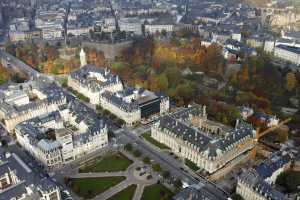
(69, 143)
(247, 193)
(210, 159)
(131, 25)
(154, 28)
(291, 54)
(130, 118)
(92, 82)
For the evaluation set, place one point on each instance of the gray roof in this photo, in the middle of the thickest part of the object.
(52, 92)
(35, 130)
(83, 77)
(295, 50)
(196, 192)
(257, 183)
(24, 174)
(205, 143)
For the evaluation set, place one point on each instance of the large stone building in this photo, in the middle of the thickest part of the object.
(18, 181)
(24, 101)
(210, 145)
(92, 81)
(288, 53)
(131, 105)
(62, 136)
(253, 187)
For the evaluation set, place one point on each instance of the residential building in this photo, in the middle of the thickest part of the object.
(252, 187)
(19, 182)
(27, 100)
(276, 163)
(133, 25)
(196, 192)
(62, 136)
(288, 53)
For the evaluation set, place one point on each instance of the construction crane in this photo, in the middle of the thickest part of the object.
(263, 133)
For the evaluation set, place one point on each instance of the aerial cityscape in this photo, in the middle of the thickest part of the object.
(150, 99)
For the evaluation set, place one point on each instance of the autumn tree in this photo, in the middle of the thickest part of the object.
(290, 81)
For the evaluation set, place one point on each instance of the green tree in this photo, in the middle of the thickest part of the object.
(128, 147)
(166, 174)
(178, 184)
(163, 83)
(156, 167)
(137, 153)
(289, 180)
(236, 196)
(146, 160)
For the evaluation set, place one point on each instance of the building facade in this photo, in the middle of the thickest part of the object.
(252, 187)
(62, 136)
(131, 105)
(288, 53)
(27, 100)
(210, 145)
(92, 81)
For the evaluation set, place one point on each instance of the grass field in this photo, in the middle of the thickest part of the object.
(126, 194)
(148, 137)
(156, 192)
(112, 163)
(90, 187)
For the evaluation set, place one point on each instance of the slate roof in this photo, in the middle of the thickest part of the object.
(52, 92)
(82, 76)
(24, 174)
(273, 163)
(257, 184)
(195, 192)
(209, 146)
(35, 130)
(118, 98)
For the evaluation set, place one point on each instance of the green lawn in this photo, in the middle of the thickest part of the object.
(126, 194)
(147, 136)
(79, 95)
(90, 187)
(112, 163)
(191, 165)
(156, 192)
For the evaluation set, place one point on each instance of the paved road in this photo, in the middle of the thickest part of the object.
(138, 192)
(98, 174)
(11, 61)
(113, 190)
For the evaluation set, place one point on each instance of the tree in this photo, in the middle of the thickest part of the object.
(166, 174)
(156, 167)
(4, 143)
(137, 153)
(236, 196)
(128, 147)
(3, 74)
(163, 84)
(18, 78)
(178, 184)
(146, 160)
(289, 180)
(290, 81)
